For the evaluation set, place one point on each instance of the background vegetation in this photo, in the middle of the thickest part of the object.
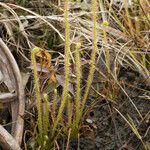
(85, 68)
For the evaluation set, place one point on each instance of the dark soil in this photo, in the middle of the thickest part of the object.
(108, 130)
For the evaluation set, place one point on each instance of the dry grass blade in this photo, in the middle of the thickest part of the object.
(132, 126)
(40, 17)
(21, 27)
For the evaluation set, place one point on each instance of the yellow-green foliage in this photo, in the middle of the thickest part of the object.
(78, 90)
(54, 105)
(107, 57)
(74, 115)
(46, 123)
(43, 112)
(92, 68)
(36, 80)
(128, 18)
(67, 50)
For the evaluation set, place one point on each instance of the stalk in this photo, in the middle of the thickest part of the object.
(78, 91)
(128, 18)
(45, 116)
(54, 105)
(107, 56)
(70, 111)
(67, 50)
(92, 68)
(36, 80)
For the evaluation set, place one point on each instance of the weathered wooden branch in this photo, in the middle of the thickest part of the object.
(13, 74)
(7, 97)
(7, 142)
